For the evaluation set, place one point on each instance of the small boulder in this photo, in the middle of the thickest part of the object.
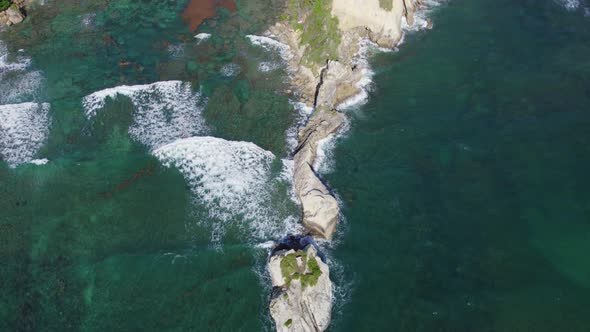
(302, 290)
(14, 15)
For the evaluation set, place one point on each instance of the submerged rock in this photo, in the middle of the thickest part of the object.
(302, 290)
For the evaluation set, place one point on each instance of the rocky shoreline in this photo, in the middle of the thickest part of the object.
(295, 307)
(15, 13)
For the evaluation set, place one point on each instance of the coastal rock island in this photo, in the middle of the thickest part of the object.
(302, 291)
(328, 70)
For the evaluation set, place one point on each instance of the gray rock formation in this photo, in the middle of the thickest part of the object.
(338, 83)
(320, 208)
(409, 9)
(298, 304)
(13, 14)
(384, 26)
(302, 291)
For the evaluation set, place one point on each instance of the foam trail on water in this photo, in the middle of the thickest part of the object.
(423, 11)
(570, 5)
(232, 179)
(164, 111)
(268, 66)
(17, 82)
(230, 70)
(361, 60)
(324, 157)
(24, 129)
(201, 37)
(39, 162)
(270, 44)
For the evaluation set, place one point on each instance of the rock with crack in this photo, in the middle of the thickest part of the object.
(320, 208)
(302, 290)
(338, 83)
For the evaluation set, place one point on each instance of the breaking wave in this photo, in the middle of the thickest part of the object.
(163, 111)
(17, 82)
(24, 129)
(270, 44)
(422, 14)
(234, 181)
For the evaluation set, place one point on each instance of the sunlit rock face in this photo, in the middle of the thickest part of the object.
(384, 24)
(302, 290)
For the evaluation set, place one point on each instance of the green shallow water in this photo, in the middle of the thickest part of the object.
(463, 179)
(103, 237)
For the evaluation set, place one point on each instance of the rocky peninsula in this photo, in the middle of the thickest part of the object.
(328, 69)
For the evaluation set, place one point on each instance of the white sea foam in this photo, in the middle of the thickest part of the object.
(269, 44)
(268, 66)
(87, 21)
(23, 86)
(201, 37)
(164, 111)
(421, 15)
(176, 50)
(324, 156)
(366, 48)
(17, 83)
(5, 65)
(24, 129)
(232, 179)
(569, 4)
(230, 70)
(39, 162)
(303, 114)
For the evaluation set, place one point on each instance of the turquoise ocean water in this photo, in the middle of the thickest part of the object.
(462, 179)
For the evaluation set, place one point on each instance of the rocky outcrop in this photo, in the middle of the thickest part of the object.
(302, 291)
(324, 88)
(11, 16)
(383, 25)
(339, 82)
(304, 79)
(14, 14)
(320, 208)
(409, 9)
